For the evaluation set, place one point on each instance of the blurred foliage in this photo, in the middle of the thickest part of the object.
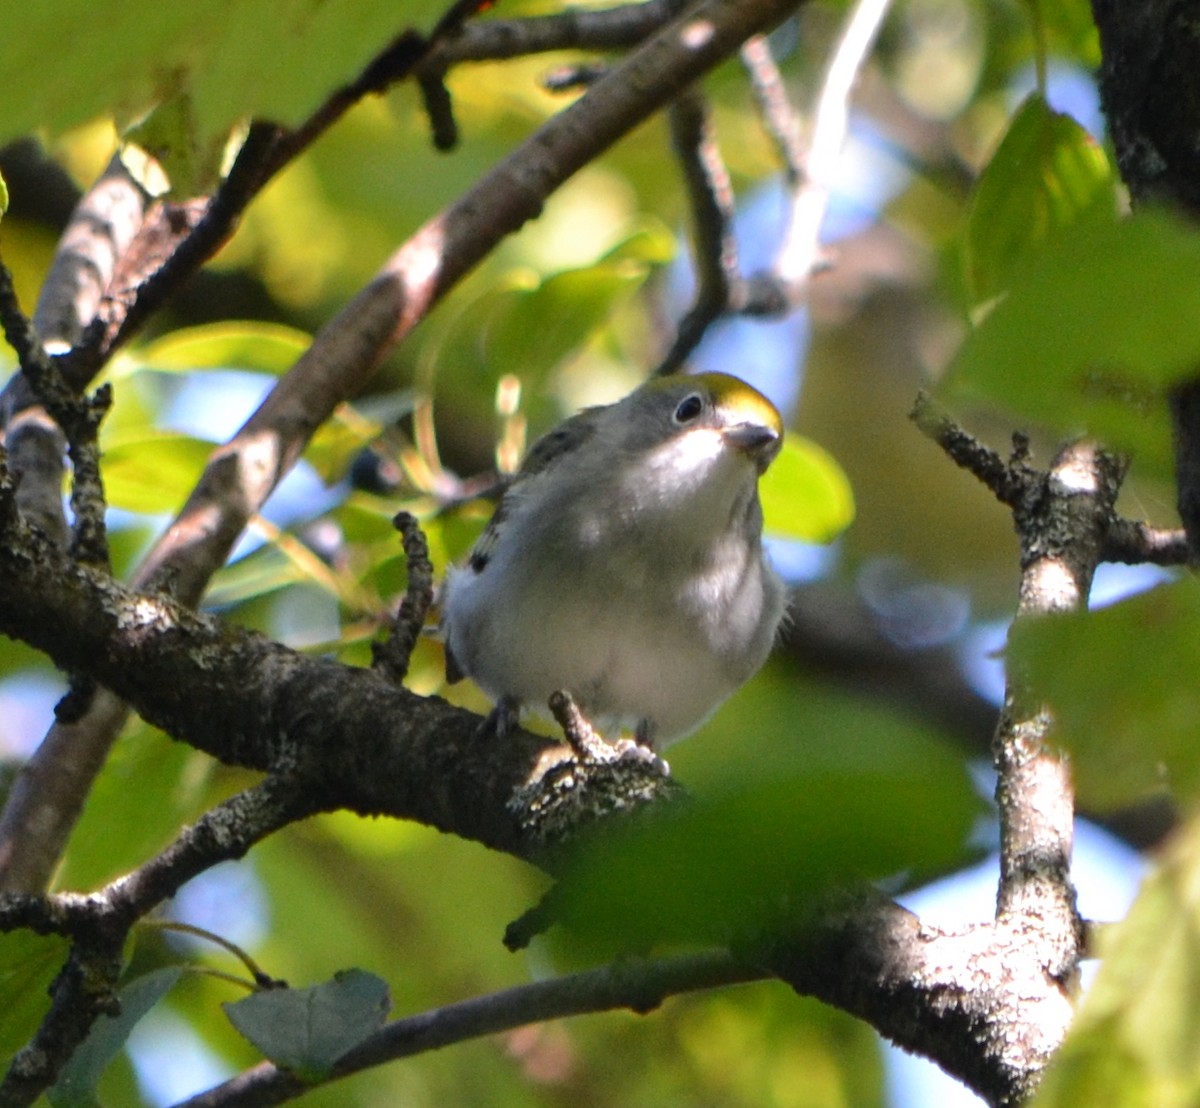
(1128, 716)
(976, 248)
(1134, 1041)
(1047, 174)
(207, 65)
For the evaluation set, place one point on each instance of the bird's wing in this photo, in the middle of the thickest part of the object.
(561, 440)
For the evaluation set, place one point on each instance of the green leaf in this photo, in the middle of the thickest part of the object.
(265, 570)
(538, 327)
(1047, 174)
(135, 51)
(308, 1030)
(168, 134)
(1134, 1040)
(1128, 716)
(805, 494)
(1101, 324)
(247, 345)
(152, 471)
(76, 1085)
(118, 830)
(28, 965)
(528, 324)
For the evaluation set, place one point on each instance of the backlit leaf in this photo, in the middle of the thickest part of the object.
(152, 471)
(1073, 345)
(1047, 174)
(247, 345)
(805, 494)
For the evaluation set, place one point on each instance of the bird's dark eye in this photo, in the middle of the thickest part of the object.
(689, 408)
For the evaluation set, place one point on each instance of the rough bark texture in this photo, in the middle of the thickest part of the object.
(1150, 86)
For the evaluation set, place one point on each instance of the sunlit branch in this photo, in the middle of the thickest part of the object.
(1134, 543)
(1062, 516)
(800, 254)
(101, 227)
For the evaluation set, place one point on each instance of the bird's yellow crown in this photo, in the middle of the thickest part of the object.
(733, 394)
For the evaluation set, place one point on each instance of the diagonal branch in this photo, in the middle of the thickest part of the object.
(100, 229)
(800, 255)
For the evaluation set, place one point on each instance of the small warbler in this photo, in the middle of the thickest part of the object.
(624, 563)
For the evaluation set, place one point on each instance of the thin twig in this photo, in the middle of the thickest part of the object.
(392, 656)
(435, 98)
(1008, 481)
(78, 417)
(640, 985)
(778, 115)
(223, 833)
(617, 28)
(710, 196)
(89, 533)
(37, 366)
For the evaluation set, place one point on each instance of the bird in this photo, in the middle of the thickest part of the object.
(624, 564)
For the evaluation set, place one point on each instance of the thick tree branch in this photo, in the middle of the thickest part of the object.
(254, 703)
(978, 1000)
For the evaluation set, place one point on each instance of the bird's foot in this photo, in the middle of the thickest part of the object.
(589, 745)
(502, 720)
